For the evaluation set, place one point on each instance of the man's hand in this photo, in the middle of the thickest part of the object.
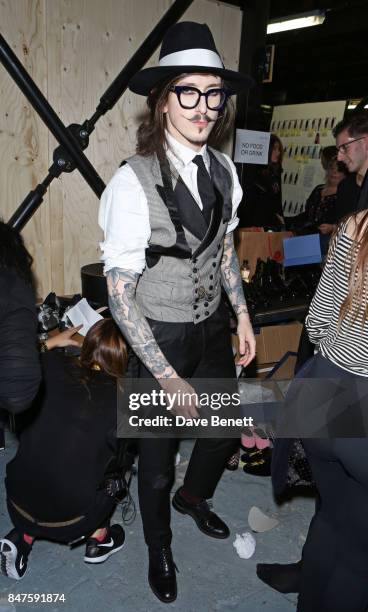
(247, 341)
(232, 284)
(181, 397)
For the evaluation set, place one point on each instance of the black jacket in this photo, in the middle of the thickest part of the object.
(68, 444)
(347, 197)
(20, 371)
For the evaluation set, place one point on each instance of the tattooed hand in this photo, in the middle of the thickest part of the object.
(232, 283)
(186, 402)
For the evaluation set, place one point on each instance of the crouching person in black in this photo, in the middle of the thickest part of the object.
(56, 482)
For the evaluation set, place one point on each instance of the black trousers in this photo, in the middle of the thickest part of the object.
(95, 517)
(335, 555)
(195, 351)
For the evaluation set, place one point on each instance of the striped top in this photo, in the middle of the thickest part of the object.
(346, 346)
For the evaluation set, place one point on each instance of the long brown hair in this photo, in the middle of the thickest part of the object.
(105, 348)
(151, 132)
(355, 305)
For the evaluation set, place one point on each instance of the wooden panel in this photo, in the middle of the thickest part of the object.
(56, 195)
(23, 137)
(74, 49)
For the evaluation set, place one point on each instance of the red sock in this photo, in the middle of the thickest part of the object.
(27, 538)
(191, 499)
(100, 538)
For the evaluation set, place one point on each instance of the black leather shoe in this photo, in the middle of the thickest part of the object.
(207, 521)
(161, 574)
(283, 578)
(258, 464)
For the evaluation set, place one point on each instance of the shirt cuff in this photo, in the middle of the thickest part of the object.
(233, 224)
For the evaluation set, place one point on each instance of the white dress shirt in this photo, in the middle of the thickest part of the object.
(124, 213)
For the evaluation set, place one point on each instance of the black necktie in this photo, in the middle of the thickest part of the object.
(205, 188)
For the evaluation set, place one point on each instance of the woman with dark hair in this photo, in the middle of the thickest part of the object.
(321, 214)
(20, 372)
(56, 484)
(263, 198)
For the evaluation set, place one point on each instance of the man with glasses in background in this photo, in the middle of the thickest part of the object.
(352, 149)
(168, 216)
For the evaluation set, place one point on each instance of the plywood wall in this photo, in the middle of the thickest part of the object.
(73, 49)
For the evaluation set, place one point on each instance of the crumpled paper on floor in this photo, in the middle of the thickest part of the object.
(245, 545)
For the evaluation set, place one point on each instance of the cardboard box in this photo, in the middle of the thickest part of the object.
(282, 370)
(273, 341)
(251, 245)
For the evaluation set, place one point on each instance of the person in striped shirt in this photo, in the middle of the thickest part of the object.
(327, 409)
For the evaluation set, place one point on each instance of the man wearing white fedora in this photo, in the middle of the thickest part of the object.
(168, 215)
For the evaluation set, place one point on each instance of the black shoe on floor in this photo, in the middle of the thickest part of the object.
(283, 578)
(161, 574)
(258, 464)
(233, 462)
(14, 552)
(207, 521)
(98, 552)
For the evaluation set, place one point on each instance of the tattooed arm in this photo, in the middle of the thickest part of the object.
(121, 286)
(232, 283)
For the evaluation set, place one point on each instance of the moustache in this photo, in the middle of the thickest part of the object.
(202, 118)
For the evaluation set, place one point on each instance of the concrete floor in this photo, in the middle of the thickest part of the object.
(212, 578)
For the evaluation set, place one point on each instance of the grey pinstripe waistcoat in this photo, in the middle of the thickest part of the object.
(182, 278)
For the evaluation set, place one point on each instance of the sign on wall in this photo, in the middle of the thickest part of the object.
(251, 147)
(304, 130)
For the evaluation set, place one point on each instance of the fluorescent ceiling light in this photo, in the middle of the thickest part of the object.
(294, 22)
(352, 104)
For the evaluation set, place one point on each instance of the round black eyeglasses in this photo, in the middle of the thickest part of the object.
(189, 97)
